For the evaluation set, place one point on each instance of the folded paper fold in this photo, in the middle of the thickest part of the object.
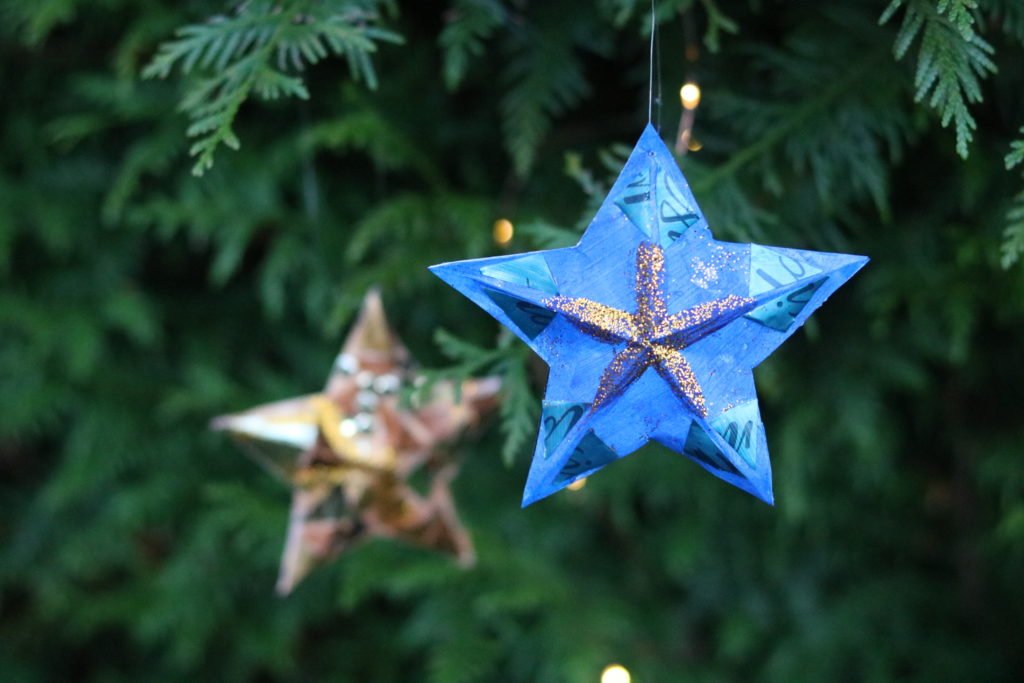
(348, 452)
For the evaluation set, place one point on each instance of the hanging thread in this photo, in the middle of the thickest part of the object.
(657, 77)
(650, 74)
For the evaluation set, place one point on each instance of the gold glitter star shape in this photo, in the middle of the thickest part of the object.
(653, 337)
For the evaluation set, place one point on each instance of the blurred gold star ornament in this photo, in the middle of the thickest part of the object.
(348, 452)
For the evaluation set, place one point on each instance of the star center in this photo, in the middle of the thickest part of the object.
(653, 337)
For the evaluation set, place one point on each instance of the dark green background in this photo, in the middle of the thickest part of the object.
(137, 301)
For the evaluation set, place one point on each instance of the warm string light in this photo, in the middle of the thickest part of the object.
(577, 485)
(503, 231)
(689, 95)
(615, 673)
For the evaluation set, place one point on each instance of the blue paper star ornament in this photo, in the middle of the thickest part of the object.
(652, 329)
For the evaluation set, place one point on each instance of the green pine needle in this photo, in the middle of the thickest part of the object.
(1013, 237)
(252, 53)
(1016, 155)
(468, 25)
(952, 59)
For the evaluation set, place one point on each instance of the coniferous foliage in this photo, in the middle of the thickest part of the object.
(1013, 247)
(346, 143)
(252, 52)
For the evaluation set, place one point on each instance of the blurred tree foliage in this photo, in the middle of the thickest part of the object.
(341, 143)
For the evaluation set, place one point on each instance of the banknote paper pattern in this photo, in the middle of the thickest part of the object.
(348, 452)
(651, 328)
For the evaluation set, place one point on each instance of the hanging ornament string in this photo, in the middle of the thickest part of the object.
(657, 77)
(650, 74)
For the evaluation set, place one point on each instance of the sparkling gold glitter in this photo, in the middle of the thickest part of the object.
(699, 315)
(650, 283)
(653, 338)
(674, 367)
(626, 367)
(593, 318)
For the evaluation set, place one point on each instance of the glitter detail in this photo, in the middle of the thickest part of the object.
(597, 320)
(700, 315)
(625, 368)
(653, 337)
(650, 285)
(705, 271)
(676, 370)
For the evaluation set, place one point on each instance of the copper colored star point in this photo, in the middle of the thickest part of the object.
(348, 452)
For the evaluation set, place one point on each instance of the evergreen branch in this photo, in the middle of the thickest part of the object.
(960, 13)
(150, 155)
(406, 217)
(1013, 236)
(544, 79)
(469, 657)
(395, 238)
(1016, 154)
(775, 135)
(467, 25)
(952, 59)
(594, 189)
(546, 235)
(1010, 16)
(252, 52)
(33, 21)
(470, 359)
(612, 159)
(371, 132)
(718, 23)
(519, 405)
(508, 360)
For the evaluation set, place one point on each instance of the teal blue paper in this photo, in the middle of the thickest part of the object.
(719, 309)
